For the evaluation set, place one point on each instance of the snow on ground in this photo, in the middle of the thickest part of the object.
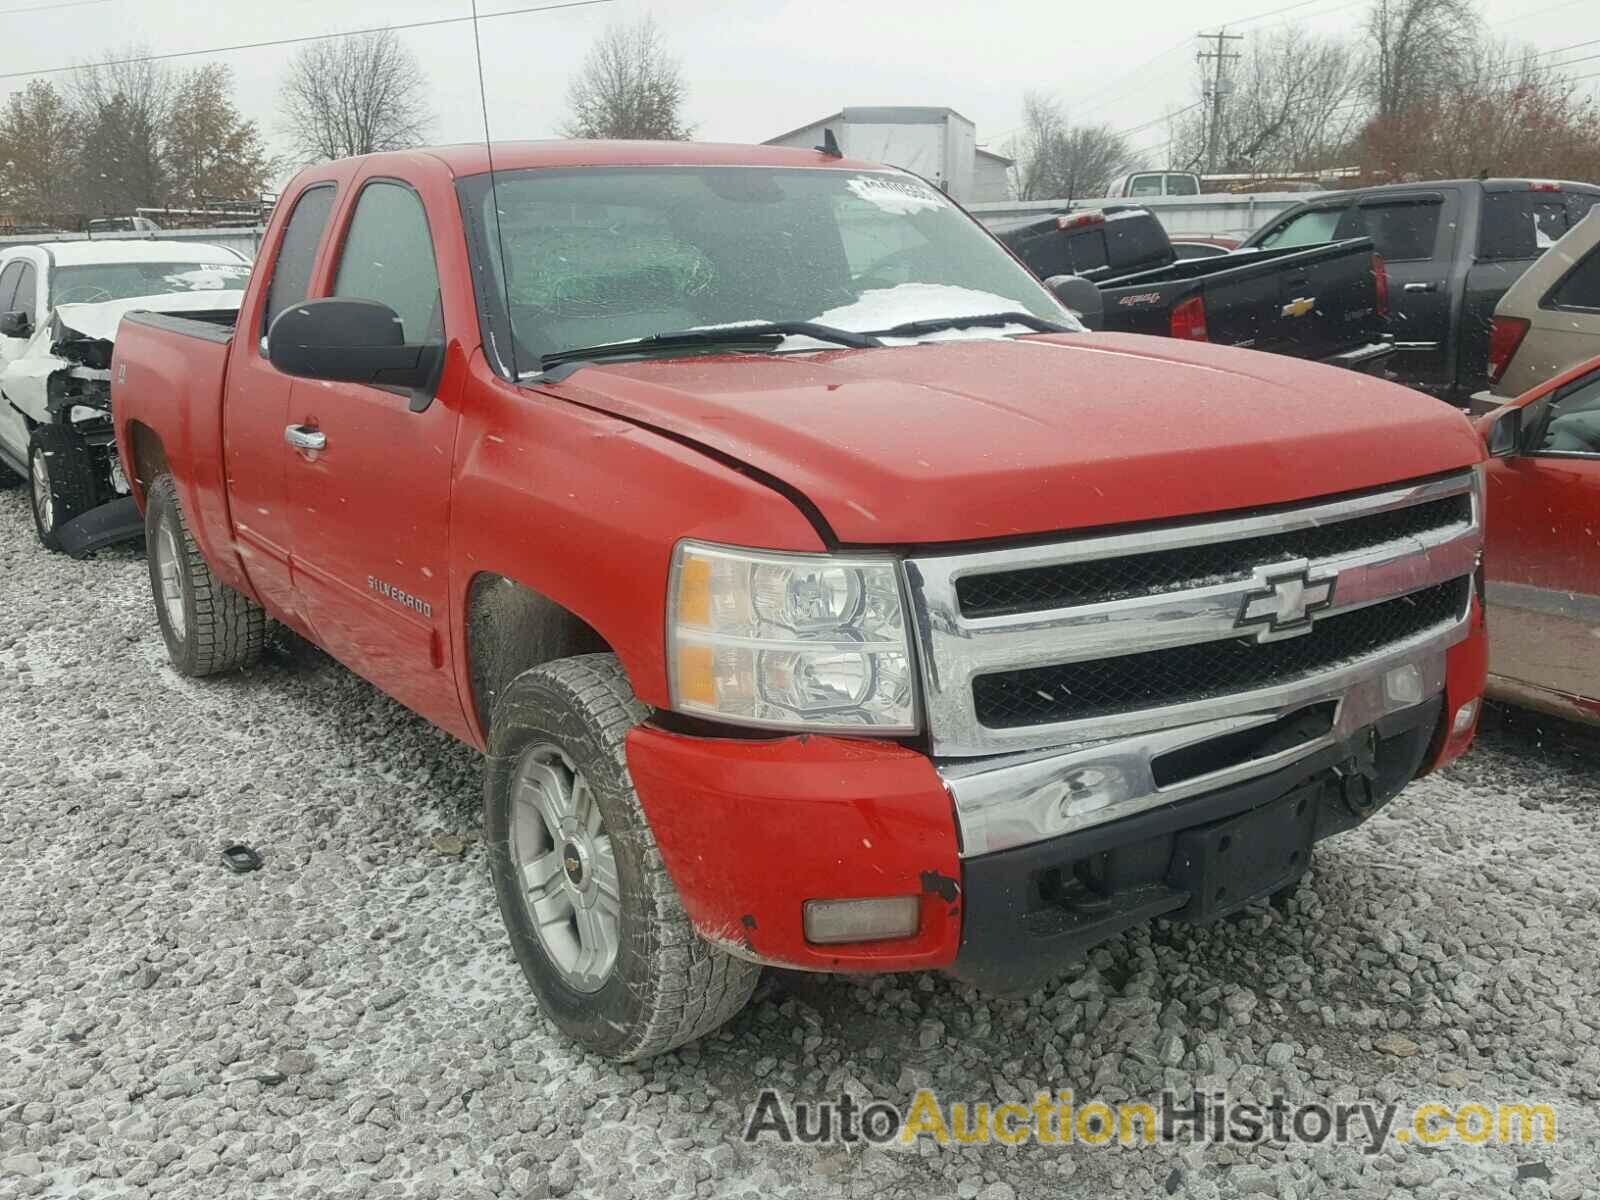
(348, 1022)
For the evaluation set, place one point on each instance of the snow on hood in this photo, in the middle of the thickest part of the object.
(884, 308)
(100, 321)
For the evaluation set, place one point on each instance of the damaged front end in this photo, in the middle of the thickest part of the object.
(63, 379)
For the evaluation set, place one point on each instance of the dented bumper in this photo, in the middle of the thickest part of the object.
(751, 829)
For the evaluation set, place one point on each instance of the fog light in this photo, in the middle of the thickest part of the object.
(1465, 716)
(1402, 687)
(875, 920)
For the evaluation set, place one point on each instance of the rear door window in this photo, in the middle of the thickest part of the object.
(1404, 231)
(297, 253)
(1311, 228)
(1521, 224)
(1580, 289)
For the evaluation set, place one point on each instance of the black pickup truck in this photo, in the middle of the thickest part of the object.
(1327, 303)
(1452, 249)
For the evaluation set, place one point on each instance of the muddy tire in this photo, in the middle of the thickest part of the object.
(592, 915)
(62, 478)
(209, 628)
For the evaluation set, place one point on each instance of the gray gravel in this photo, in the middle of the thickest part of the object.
(348, 1021)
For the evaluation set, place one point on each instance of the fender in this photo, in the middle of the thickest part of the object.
(584, 509)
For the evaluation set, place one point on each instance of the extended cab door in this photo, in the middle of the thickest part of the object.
(1543, 549)
(371, 507)
(258, 402)
(1415, 232)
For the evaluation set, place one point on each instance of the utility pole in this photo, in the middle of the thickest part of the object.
(1217, 89)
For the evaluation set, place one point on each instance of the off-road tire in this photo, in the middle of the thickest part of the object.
(222, 629)
(62, 462)
(667, 986)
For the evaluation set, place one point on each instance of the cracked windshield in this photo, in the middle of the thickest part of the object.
(608, 599)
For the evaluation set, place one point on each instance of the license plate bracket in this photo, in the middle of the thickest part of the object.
(1227, 864)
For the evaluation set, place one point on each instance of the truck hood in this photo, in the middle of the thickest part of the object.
(966, 440)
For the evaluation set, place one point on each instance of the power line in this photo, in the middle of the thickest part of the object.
(1538, 12)
(316, 37)
(6, 12)
(1164, 117)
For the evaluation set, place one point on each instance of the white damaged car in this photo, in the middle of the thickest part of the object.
(60, 304)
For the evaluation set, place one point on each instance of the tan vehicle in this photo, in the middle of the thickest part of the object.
(1549, 320)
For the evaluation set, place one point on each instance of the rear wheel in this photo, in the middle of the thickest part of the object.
(593, 917)
(208, 627)
(62, 478)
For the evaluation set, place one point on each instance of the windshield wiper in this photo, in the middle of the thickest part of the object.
(983, 320)
(763, 335)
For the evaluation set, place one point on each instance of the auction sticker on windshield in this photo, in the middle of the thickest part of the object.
(898, 196)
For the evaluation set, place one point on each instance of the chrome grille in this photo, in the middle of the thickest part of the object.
(1065, 585)
(1074, 691)
(1108, 635)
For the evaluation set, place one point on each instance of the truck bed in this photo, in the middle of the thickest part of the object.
(167, 374)
(1317, 303)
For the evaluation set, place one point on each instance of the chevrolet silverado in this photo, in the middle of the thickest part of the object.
(810, 610)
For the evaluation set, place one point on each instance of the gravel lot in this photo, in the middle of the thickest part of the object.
(349, 1022)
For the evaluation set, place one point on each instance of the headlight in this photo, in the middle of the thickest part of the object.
(803, 641)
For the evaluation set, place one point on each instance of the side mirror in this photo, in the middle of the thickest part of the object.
(16, 325)
(1081, 296)
(350, 341)
(1503, 433)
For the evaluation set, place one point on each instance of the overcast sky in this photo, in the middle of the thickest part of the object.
(756, 68)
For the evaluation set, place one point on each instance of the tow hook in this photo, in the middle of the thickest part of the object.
(1358, 773)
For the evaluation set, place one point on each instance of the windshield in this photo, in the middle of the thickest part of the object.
(94, 283)
(607, 255)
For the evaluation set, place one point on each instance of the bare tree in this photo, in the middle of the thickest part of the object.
(355, 95)
(628, 87)
(1418, 50)
(1059, 161)
(1294, 103)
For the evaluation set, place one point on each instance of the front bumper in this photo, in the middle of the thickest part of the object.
(1035, 907)
(751, 828)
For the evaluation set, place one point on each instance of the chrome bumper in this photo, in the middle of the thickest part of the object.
(1018, 799)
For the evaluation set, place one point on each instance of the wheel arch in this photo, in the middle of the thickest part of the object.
(149, 459)
(511, 628)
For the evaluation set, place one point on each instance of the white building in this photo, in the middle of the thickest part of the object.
(937, 143)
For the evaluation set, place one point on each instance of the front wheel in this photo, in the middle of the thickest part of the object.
(62, 476)
(593, 917)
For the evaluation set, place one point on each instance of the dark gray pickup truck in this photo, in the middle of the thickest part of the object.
(1327, 303)
(1452, 248)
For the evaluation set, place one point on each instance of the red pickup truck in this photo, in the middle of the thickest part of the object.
(819, 592)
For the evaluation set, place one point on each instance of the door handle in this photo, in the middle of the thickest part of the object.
(1422, 287)
(303, 437)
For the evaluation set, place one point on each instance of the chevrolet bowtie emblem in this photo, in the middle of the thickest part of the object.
(1299, 307)
(1286, 602)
